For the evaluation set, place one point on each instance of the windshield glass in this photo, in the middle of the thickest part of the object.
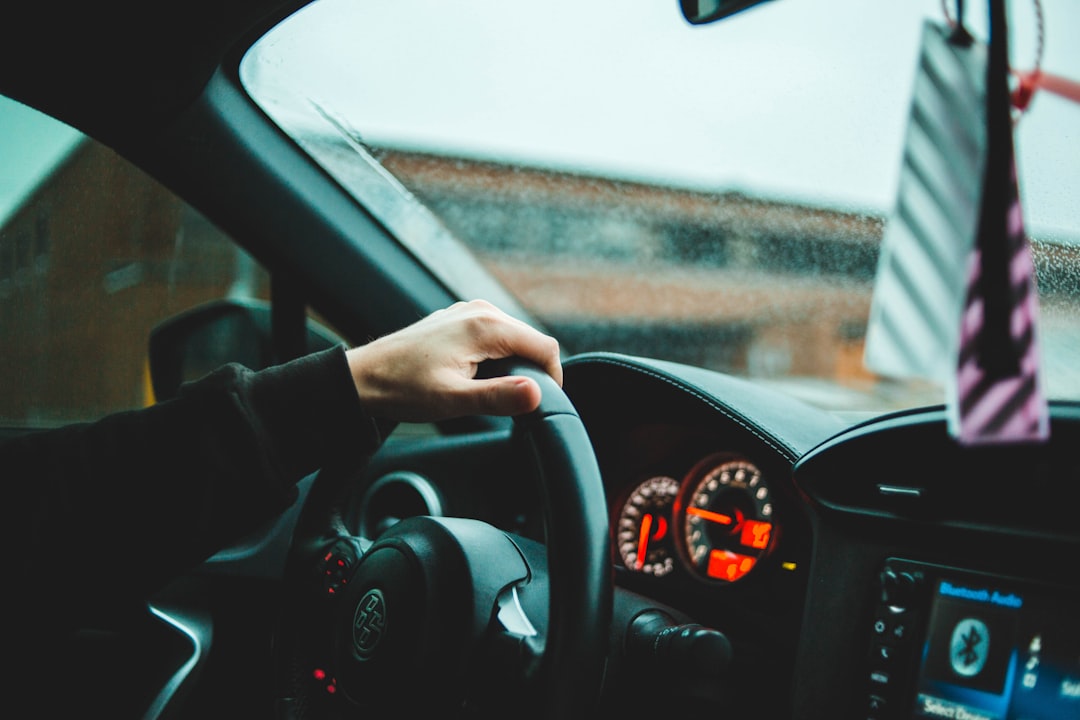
(715, 194)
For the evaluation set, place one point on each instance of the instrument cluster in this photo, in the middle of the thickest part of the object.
(715, 522)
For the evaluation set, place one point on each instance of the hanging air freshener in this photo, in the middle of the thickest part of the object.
(923, 264)
(996, 395)
(955, 299)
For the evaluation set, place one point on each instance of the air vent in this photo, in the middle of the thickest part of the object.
(394, 497)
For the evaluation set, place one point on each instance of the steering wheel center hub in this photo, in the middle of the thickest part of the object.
(381, 623)
(369, 624)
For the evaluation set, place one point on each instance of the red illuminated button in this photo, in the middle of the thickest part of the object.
(337, 565)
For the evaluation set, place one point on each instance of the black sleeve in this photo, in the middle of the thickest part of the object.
(128, 502)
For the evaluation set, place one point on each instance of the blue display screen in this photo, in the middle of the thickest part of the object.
(999, 650)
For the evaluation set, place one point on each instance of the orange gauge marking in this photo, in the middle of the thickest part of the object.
(645, 533)
(709, 515)
(643, 539)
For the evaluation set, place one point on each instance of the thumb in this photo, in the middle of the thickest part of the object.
(509, 395)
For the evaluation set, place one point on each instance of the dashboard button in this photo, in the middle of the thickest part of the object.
(890, 627)
(897, 588)
(884, 655)
(877, 705)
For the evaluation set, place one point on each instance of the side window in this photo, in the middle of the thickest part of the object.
(93, 254)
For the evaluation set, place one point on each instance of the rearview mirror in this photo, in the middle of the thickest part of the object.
(700, 12)
(196, 342)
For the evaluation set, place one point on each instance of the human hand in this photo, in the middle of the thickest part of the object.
(427, 371)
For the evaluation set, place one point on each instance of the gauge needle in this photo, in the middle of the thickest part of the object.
(643, 539)
(708, 515)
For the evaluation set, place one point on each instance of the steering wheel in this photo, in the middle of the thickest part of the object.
(453, 615)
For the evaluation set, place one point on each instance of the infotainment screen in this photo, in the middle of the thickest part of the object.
(997, 649)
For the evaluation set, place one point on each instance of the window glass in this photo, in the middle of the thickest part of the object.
(93, 254)
(713, 195)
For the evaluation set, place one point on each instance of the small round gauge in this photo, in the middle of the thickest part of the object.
(726, 518)
(643, 529)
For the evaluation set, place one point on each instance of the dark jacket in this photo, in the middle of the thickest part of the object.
(99, 516)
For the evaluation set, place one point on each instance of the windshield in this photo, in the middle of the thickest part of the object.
(715, 195)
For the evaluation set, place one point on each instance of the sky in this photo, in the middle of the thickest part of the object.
(797, 99)
(804, 99)
(30, 147)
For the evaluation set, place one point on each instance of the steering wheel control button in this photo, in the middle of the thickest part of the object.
(336, 566)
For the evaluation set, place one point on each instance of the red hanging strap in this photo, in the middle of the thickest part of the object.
(1027, 83)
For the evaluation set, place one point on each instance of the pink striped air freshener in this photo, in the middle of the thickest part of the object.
(997, 395)
(1001, 399)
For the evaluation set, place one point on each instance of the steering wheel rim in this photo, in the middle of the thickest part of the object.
(562, 667)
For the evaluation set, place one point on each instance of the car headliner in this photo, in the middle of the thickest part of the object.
(118, 70)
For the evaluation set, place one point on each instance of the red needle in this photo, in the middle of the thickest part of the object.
(643, 539)
(707, 515)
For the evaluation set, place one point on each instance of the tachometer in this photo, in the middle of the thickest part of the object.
(726, 518)
(643, 529)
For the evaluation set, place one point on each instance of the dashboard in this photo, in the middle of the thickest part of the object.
(848, 567)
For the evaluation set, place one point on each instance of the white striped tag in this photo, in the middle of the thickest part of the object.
(914, 323)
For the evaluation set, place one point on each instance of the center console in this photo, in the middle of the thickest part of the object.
(950, 643)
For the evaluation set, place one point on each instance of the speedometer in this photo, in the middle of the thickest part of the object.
(643, 530)
(726, 519)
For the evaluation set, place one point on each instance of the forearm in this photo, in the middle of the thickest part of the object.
(137, 496)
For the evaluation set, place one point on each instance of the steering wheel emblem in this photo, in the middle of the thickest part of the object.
(369, 623)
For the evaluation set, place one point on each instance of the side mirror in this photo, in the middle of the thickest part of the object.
(198, 341)
(700, 12)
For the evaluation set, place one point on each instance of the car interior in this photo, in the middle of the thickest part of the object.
(730, 508)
